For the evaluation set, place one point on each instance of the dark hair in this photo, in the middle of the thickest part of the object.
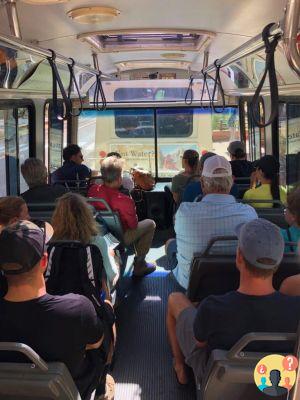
(114, 154)
(192, 158)
(204, 157)
(10, 207)
(70, 151)
(293, 202)
(270, 168)
(239, 153)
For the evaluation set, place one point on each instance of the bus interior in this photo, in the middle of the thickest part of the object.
(149, 80)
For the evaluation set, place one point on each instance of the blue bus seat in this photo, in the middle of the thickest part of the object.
(34, 379)
(273, 214)
(41, 211)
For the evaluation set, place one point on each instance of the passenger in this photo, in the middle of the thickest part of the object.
(73, 220)
(12, 209)
(292, 217)
(72, 168)
(190, 163)
(35, 175)
(196, 223)
(241, 167)
(127, 181)
(140, 234)
(267, 181)
(193, 189)
(59, 328)
(220, 321)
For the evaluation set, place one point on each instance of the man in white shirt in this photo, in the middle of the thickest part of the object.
(216, 215)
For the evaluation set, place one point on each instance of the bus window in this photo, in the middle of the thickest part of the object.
(2, 156)
(55, 138)
(133, 94)
(282, 128)
(10, 126)
(134, 123)
(23, 143)
(132, 133)
(293, 144)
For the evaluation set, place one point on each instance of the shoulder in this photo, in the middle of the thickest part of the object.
(83, 168)
(72, 303)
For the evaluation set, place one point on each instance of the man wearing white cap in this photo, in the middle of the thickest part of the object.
(196, 223)
(220, 321)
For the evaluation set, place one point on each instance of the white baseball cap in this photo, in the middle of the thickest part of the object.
(213, 163)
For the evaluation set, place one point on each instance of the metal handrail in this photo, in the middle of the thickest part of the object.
(291, 28)
(41, 52)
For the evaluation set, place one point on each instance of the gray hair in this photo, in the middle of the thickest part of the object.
(34, 172)
(111, 169)
(217, 185)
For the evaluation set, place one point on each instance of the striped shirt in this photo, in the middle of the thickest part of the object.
(197, 223)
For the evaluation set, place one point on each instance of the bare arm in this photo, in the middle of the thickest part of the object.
(95, 345)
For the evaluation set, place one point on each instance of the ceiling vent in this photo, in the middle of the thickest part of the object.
(148, 39)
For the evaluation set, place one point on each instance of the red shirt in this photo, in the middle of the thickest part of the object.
(117, 202)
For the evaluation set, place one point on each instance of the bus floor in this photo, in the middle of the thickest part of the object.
(143, 364)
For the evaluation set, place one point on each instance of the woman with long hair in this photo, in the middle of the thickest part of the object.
(190, 165)
(267, 183)
(73, 220)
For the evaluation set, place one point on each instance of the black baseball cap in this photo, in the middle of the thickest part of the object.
(22, 245)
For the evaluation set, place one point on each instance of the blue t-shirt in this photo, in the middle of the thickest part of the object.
(194, 189)
(292, 234)
(222, 320)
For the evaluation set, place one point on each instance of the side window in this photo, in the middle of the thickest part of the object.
(55, 138)
(14, 148)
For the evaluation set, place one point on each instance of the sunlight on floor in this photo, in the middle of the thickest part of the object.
(131, 391)
(152, 298)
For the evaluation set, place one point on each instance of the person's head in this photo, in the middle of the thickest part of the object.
(203, 158)
(216, 175)
(292, 211)
(114, 154)
(34, 172)
(12, 209)
(22, 253)
(260, 249)
(190, 161)
(237, 150)
(73, 219)
(267, 170)
(263, 380)
(73, 153)
(275, 377)
(111, 171)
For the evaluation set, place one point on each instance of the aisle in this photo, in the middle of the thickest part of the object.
(143, 368)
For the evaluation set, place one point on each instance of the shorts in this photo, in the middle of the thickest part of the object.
(195, 357)
(171, 252)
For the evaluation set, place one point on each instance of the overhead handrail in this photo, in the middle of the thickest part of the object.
(56, 80)
(189, 90)
(270, 46)
(218, 83)
(205, 85)
(99, 91)
(71, 82)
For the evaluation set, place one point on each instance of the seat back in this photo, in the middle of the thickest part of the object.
(41, 211)
(217, 273)
(274, 214)
(34, 379)
(110, 218)
(230, 373)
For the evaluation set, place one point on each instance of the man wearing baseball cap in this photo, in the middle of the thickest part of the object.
(58, 328)
(241, 167)
(196, 223)
(220, 321)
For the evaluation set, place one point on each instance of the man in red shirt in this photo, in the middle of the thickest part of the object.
(140, 234)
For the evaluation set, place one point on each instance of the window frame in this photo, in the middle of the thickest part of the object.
(15, 105)
(156, 137)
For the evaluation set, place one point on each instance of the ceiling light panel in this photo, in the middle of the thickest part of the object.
(147, 64)
(93, 15)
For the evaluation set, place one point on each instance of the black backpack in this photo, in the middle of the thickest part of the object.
(77, 268)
